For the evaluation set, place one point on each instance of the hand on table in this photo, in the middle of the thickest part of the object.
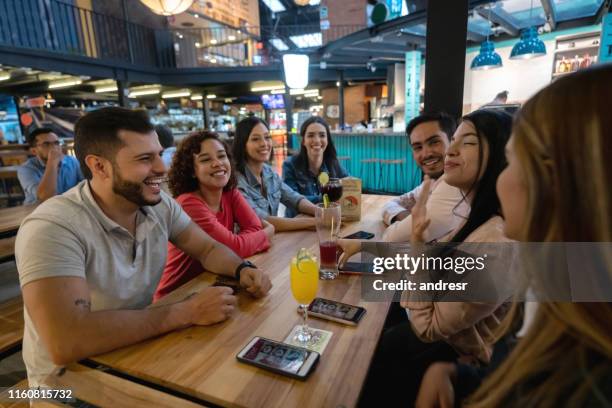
(256, 282)
(211, 305)
(437, 389)
(269, 229)
(420, 222)
(348, 248)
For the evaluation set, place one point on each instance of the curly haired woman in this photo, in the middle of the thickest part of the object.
(202, 181)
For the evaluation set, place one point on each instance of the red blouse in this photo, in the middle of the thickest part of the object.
(181, 268)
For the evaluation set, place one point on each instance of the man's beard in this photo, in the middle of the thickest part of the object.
(130, 190)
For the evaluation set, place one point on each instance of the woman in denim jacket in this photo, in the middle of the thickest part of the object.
(317, 154)
(259, 184)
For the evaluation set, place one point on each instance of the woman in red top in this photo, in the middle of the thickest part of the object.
(202, 180)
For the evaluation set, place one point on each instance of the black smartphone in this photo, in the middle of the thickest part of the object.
(336, 311)
(281, 358)
(360, 235)
(356, 268)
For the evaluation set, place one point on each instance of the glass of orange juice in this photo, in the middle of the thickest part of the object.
(304, 272)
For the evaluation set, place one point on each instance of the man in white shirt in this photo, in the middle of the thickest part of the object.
(89, 260)
(429, 136)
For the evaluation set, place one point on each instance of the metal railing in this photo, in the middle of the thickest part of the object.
(56, 26)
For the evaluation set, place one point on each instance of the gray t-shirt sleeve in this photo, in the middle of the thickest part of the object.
(177, 218)
(46, 248)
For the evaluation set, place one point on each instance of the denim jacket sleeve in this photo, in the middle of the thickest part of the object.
(254, 199)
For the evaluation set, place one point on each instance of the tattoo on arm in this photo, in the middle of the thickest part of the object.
(84, 303)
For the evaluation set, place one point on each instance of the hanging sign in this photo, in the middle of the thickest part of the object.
(413, 79)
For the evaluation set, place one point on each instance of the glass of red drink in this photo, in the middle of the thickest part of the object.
(328, 226)
(333, 189)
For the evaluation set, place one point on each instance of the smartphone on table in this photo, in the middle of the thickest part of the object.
(336, 311)
(281, 358)
(360, 235)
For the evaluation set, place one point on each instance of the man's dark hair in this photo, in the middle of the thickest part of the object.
(166, 139)
(445, 121)
(31, 137)
(98, 132)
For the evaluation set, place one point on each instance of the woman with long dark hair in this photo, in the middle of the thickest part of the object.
(259, 184)
(203, 182)
(317, 154)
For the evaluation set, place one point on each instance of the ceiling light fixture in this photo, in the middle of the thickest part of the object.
(487, 58)
(279, 44)
(296, 70)
(267, 88)
(275, 5)
(307, 40)
(106, 88)
(176, 94)
(143, 92)
(65, 83)
(167, 7)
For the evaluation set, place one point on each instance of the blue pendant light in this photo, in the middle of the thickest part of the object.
(529, 46)
(487, 58)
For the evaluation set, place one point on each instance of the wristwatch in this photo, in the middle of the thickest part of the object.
(239, 268)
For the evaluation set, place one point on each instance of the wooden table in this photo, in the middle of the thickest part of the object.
(201, 361)
(10, 218)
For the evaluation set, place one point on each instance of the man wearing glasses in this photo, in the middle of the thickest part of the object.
(49, 172)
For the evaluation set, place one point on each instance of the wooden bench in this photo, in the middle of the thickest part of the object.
(7, 249)
(106, 390)
(11, 324)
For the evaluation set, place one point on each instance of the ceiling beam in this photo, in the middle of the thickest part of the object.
(550, 12)
(498, 16)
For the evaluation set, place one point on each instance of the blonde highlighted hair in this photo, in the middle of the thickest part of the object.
(563, 142)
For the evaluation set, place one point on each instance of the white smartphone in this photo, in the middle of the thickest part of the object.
(281, 358)
(336, 311)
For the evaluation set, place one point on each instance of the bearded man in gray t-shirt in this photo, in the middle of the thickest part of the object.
(89, 260)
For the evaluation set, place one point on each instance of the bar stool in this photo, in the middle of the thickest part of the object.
(345, 162)
(371, 173)
(393, 175)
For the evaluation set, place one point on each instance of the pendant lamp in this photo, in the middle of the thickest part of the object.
(296, 70)
(529, 46)
(487, 58)
(167, 7)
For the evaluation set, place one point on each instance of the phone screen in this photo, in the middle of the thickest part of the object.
(334, 309)
(277, 355)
